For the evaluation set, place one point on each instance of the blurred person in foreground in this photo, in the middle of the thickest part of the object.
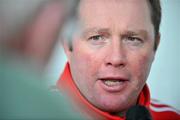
(29, 30)
(110, 49)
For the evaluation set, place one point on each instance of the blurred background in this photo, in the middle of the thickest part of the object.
(29, 31)
(164, 79)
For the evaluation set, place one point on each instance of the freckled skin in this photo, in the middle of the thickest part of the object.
(112, 53)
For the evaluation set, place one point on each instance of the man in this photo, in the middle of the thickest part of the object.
(109, 56)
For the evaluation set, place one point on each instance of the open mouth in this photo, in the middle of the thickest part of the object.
(113, 84)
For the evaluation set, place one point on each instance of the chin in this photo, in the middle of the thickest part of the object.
(112, 108)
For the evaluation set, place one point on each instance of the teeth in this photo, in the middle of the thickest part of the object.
(111, 82)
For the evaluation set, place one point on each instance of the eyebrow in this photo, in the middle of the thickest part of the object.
(142, 32)
(134, 32)
(95, 30)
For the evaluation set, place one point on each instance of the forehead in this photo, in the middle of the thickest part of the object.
(98, 13)
(101, 4)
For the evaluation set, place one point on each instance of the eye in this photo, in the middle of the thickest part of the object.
(134, 41)
(96, 37)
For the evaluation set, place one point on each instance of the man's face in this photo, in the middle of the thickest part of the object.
(112, 55)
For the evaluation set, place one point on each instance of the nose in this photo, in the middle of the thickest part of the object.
(116, 56)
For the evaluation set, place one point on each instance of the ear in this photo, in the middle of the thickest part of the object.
(157, 41)
(67, 50)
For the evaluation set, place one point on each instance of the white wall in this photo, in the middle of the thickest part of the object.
(164, 79)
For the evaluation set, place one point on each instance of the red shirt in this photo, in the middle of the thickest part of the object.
(158, 111)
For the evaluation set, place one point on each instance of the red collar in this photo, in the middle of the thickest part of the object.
(66, 84)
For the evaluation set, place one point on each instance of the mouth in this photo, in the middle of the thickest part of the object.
(112, 84)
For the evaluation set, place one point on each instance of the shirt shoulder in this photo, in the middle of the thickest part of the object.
(161, 111)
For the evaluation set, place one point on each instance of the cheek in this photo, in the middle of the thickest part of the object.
(88, 59)
(84, 62)
(84, 66)
(140, 66)
(80, 69)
